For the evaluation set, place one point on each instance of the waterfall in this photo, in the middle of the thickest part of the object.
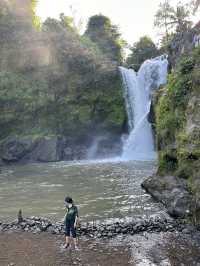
(138, 88)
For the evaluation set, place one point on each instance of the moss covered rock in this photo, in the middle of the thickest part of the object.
(177, 123)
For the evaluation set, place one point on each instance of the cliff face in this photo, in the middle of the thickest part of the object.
(177, 127)
(183, 44)
(55, 84)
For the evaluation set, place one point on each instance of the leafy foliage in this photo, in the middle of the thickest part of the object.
(142, 50)
(171, 18)
(101, 31)
(174, 24)
(178, 145)
(55, 82)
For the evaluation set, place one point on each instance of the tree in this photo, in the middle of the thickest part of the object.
(66, 21)
(142, 50)
(195, 4)
(58, 25)
(173, 19)
(180, 18)
(106, 35)
(162, 17)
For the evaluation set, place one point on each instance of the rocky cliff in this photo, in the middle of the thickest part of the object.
(55, 87)
(176, 117)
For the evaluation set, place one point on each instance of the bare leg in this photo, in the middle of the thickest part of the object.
(67, 240)
(75, 242)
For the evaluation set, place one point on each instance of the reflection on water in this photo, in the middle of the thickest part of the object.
(101, 190)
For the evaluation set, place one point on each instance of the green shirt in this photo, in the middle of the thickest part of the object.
(71, 214)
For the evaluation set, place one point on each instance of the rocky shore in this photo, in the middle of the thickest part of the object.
(172, 192)
(38, 225)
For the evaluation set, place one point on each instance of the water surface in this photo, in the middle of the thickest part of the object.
(101, 190)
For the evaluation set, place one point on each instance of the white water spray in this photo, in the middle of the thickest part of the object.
(138, 88)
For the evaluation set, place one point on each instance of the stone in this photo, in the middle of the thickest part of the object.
(110, 234)
(37, 231)
(172, 192)
(118, 230)
(42, 149)
(48, 149)
(14, 149)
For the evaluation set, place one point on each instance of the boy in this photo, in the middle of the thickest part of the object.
(70, 222)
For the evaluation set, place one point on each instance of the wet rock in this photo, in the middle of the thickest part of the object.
(14, 149)
(188, 229)
(38, 225)
(118, 230)
(48, 149)
(68, 153)
(124, 230)
(74, 151)
(172, 192)
(31, 222)
(1, 163)
(110, 234)
(42, 149)
(37, 231)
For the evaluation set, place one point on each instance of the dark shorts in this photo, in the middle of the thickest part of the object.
(69, 228)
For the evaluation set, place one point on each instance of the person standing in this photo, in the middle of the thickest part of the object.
(70, 223)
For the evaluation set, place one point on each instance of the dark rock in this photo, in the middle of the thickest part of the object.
(118, 230)
(68, 154)
(37, 231)
(1, 163)
(42, 149)
(50, 229)
(14, 149)
(48, 149)
(172, 192)
(38, 225)
(188, 229)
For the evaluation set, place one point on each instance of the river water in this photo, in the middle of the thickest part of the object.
(101, 190)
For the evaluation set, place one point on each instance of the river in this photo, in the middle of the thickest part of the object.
(102, 191)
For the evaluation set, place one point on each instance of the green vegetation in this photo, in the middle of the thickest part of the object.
(101, 31)
(171, 18)
(172, 113)
(56, 82)
(142, 50)
(174, 24)
(178, 125)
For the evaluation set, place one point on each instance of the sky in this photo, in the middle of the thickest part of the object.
(134, 17)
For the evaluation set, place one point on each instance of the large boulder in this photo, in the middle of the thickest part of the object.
(14, 149)
(47, 149)
(172, 192)
(42, 149)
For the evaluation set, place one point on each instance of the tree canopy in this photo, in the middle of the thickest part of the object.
(55, 82)
(173, 19)
(140, 51)
(106, 35)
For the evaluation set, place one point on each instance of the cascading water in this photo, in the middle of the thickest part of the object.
(138, 88)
